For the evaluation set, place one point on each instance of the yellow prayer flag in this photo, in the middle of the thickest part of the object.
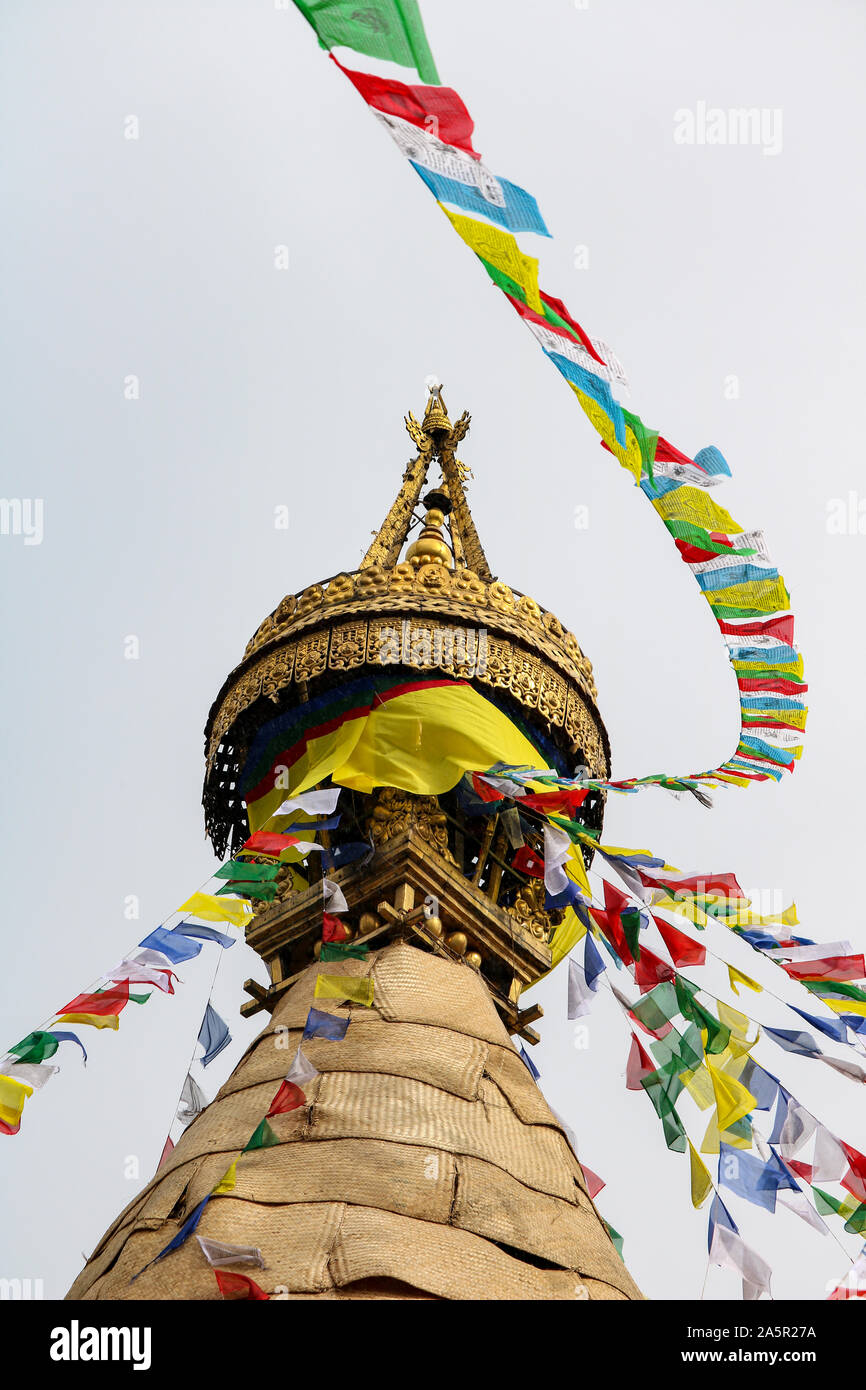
(737, 977)
(710, 1142)
(733, 1101)
(211, 908)
(699, 1086)
(227, 1181)
(764, 595)
(846, 1006)
(565, 937)
(13, 1094)
(354, 987)
(733, 1019)
(630, 456)
(93, 1020)
(692, 504)
(743, 918)
(685, 906)
(702, 1183)
(502, 251)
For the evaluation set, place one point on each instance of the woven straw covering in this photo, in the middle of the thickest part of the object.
(425, 1163)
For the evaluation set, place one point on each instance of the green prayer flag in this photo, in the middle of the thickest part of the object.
(826, 1205)
(265, 891)
(35, 1047)
(647, 441)
(832, 987)
(505, 283)
(856, 1223)
(391, 29)
(264, 1138)
(630, 919)
(140, 998)
(656, 1008)
(335, 950)
(615, 1237)
(246, 871)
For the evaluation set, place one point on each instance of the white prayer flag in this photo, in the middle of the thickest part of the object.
(335, 900)
(301, 1070)
(217, 1252)
(320, 803)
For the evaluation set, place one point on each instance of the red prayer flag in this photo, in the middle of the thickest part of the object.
(639, 1064)
(666, 453)
(438, 110)
(484, 791)
(236, 1286)
(109, 1001)
(854, 1180)
(529, 861)
(564, 799)
(780, 628)
(803, 1170)
(711, 885)
(830, 968)
(559, 308)
(167, 1151)
(683, 950)
(333, 929)
(268, 842)
(594, 1183)
(651, 970)
(288, 1097)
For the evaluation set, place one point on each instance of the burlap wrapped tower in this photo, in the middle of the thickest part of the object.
(425, 1162)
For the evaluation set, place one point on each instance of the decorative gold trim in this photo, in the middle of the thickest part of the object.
(431, 642)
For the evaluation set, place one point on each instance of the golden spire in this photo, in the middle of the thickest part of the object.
(435, 438)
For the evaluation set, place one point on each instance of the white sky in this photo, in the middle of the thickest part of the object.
(259, 388)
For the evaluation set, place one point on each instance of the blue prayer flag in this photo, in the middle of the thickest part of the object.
(213, 1035)
(324, 1025)
(171, 944)
(204, 933)
(519, 214)
(533, 1069)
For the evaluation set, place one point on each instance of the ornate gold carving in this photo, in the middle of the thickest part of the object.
(396, 811)
(311, 656)
(276, 673)
(529, 913)
(348, 646)
(552, 696)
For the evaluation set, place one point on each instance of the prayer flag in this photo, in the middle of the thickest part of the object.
(192, 1101)
(683, 950)
(92, 1020)
(214, 909)
(733, 1101)
(325, 1025)
(109, 1001)
(238, 1286)
(288, 1097)
(356, 988)
(213, 1035)
(171, 944)
(263, 1137)
(227, 1182)
(530, 1065)
(196, 930)
(390, 29)
(430, 108)
(333, 929)
(701, 1182)
(302, 1070)
(41, 1044)
(13, 1094)
(217, 1252)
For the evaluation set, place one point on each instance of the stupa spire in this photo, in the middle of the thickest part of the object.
(436, 439)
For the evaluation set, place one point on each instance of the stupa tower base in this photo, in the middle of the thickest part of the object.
(425, 1163)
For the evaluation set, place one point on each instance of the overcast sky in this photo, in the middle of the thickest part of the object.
(259, 388)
